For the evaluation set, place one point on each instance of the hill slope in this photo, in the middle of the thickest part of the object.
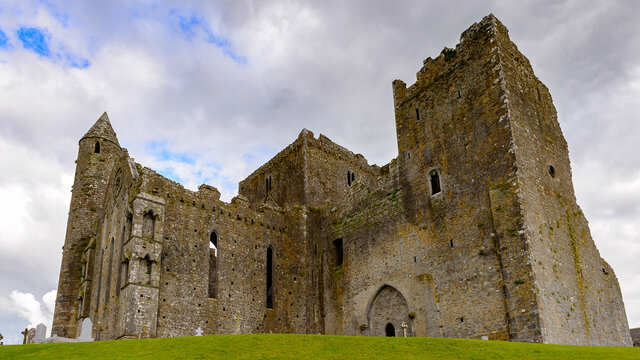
(280, 346)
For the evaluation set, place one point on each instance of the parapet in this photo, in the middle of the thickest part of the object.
(451, 58)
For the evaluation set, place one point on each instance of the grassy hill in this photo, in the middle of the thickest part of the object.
(280, 346)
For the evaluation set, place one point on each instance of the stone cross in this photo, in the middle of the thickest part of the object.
(1, 337)
(404, 327)
(199, 331)
(25, 333)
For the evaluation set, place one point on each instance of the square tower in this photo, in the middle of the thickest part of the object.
(485, 166)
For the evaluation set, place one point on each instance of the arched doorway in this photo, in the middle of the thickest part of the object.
(390, 330)
(387, 310)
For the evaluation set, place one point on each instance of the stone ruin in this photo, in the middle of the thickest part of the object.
(472, 231)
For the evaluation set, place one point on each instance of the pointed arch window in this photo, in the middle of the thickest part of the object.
(351, 177)
(148, 225)
(267, 184)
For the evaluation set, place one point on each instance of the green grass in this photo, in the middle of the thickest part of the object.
(278, 346)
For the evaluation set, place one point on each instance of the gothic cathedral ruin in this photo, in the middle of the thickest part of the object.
(472, 231)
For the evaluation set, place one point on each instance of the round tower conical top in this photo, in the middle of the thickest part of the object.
(102, 129)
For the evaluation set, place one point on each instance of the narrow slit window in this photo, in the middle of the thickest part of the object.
(148, 268)
(100, 276)
(349, 178)
(213, 242)
(109, 268)
(269, 182)
(125, 272)
(266, 185)
(339, 251)
(213, 264)
(80, 306)
(96, 148)
(417, 114)
(451, 243)
(269, 278)
(121, 254)
(434, 178)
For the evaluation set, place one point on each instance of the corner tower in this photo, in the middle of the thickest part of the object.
(486, 171)
(97, 153)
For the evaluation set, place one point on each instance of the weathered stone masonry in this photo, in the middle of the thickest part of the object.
(472, 231)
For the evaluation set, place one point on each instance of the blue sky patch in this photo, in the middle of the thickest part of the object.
(189, 25)
(193, 25)
(160, 151)
(34, 39)
(4, 40)
(61, 16)
(76, 61)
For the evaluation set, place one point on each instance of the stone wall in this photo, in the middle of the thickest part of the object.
(580, 300)
(310, 171)
(472, 231)
(168, 271)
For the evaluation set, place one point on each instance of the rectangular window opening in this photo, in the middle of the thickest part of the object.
(435, 183)
(337, 245)
(269, 278)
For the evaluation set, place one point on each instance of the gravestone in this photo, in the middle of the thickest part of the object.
(41, 334)
(85, 331)
(31, 336)
(198, 332)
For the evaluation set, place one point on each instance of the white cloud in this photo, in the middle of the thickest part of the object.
(34, 310)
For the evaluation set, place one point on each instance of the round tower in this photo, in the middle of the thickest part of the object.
(97, 153)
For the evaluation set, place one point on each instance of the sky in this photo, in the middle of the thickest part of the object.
(207, 91)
